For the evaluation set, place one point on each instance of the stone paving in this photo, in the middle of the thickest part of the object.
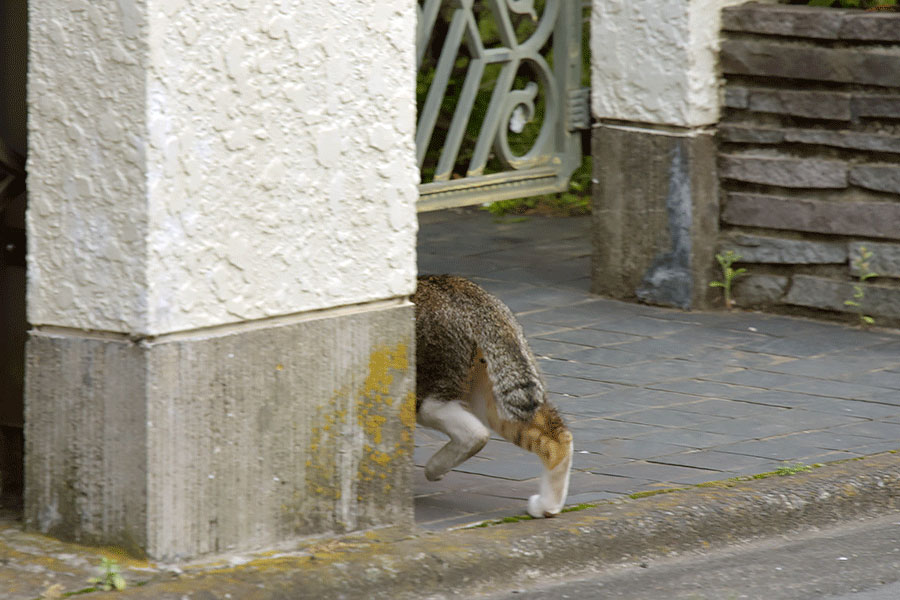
(656, 398)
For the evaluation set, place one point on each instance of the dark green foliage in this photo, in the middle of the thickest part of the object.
(864, 4)
(576, 201)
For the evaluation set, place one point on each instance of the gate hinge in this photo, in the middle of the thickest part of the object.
(580, 109)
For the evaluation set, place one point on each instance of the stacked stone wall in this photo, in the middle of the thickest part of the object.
(809, 156)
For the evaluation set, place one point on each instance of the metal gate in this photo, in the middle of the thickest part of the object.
(500, 99)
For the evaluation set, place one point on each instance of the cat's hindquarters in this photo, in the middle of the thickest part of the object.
(474, 371)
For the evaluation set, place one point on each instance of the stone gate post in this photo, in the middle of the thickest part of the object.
(221, 231)
(656, 98)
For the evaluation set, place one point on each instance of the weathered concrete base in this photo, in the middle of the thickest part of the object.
(655, 215)
(193, 444)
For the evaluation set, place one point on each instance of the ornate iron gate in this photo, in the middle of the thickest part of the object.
(509, 128)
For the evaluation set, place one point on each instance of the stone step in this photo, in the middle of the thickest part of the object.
(816, 173)
(829, 294)
(784, 171)
(871, 142)
(811, 22)
(869, 219)
(813, 104)
(772, 250)
(885, 259)
(865, 66)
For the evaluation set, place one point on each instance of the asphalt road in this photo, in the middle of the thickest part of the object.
(856, 561)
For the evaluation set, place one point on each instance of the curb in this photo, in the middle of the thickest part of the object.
(469, 560)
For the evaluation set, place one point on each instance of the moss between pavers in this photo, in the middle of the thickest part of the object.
(785, 471)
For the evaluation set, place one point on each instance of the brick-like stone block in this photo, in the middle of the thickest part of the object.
(870, 219)
(742, 134)
(870, 26)
(885, 259)
(752, 290)
(784, 172)
(812, 104)
(875, 105)
(772, 250)
(782, 19)
(871, 142)
(655, 215)
(841, 65)
(829, 294)
(811, 22)
(736, 97)
(748, 134)
(881, 178)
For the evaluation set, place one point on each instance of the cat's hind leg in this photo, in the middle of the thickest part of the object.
(554, 485)
(545, 434)
(467, 434)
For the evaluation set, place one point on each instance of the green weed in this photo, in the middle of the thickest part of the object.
(728, 258)
(111, 578)
(861, 262)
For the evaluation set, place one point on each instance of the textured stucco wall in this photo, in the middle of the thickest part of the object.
(87, 216)
(198, 163)
(656, 62)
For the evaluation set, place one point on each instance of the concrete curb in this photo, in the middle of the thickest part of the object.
(464, 561)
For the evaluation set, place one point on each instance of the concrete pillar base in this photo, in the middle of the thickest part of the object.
(222, 440)
(655, 212)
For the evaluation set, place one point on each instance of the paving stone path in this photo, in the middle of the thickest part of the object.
(656, 398)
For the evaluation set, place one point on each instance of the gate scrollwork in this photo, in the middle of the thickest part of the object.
(490, 71)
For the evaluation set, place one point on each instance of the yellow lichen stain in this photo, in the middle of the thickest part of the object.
(368, 410)
(381, 362)
(375, 396)
(372, 426)
(408, 416)
(380, 458)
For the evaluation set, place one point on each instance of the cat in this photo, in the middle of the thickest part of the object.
(474, 371)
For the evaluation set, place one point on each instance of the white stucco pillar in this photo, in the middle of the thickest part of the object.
(655, 95)
(656, 63)
(221, 231)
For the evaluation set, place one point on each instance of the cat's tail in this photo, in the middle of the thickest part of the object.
(546, 435)
(515, 379)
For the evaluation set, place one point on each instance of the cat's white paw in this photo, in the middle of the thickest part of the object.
(538, 510)
(432, 476)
